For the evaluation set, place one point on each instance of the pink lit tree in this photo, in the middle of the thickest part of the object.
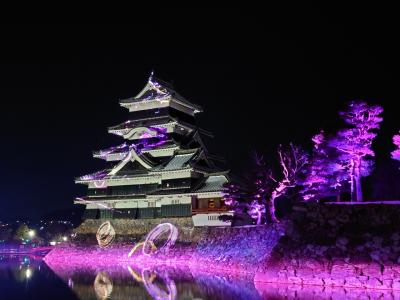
(256, 211)
(236, 198)
(396, 152)
(249, 198)
(354, 143)
(259, 198)
(325, 176)
(293, 161)
(260, 188)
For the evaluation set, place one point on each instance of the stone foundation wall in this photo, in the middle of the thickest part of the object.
(239, 249)
(134, 230)
(338, 245)
(328, 245)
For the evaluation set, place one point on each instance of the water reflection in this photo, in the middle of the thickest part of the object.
(158, 285)
(163, 283)
(103, 286)
(28, 278)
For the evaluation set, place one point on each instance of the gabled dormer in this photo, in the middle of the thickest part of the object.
(158, 94)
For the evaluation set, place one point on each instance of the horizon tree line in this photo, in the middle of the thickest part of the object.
(336, 165)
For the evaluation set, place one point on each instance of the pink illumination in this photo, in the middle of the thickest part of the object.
(256, 211)
(292, 161)
(325, 175)
(267, 187)
(104, 153)
(94, 176)
(354, 144)
(396, 152)
(147, 141)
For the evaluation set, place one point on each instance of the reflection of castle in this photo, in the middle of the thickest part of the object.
(163, 169)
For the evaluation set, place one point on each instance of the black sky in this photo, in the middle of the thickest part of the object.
(263, 78)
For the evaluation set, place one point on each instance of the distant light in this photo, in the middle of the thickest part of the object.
(31, 233)
(28, 273)
(53, 243)
(64, 238)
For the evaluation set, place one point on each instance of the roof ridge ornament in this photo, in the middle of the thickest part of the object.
(151, 75)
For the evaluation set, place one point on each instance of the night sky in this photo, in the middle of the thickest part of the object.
(263, 79)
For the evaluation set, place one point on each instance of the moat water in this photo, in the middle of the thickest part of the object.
(24, 277)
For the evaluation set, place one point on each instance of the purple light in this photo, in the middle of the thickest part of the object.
(104, 153)
(396, 142)
(95, 176)
(354, 144)
(256, 211)
(147, 142)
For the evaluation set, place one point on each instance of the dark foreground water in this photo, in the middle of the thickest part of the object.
(30, 278)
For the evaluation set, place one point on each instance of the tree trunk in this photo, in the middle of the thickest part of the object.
(271, 208)
(259, 218)
(352, 190)
(357, 179)
(338, 199)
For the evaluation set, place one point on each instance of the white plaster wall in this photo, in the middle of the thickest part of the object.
(210, 219)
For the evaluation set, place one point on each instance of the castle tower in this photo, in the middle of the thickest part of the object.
(163, 169)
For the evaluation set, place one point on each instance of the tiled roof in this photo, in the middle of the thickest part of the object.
(178, 161)
(142, 123)
(163, 90)
(213, 184)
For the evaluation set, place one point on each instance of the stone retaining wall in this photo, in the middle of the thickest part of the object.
(338, 245)
(133, 230)
(327, 245)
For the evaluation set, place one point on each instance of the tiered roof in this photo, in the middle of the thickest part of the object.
(185, 155)
(159, 90)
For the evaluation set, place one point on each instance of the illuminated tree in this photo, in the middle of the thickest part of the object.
(396, 152)
(265, 188)
(232, 195)
(325, 176)
(293, 161)
(236, 199)
(256, 210)
(260, 188)
(354, 144)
